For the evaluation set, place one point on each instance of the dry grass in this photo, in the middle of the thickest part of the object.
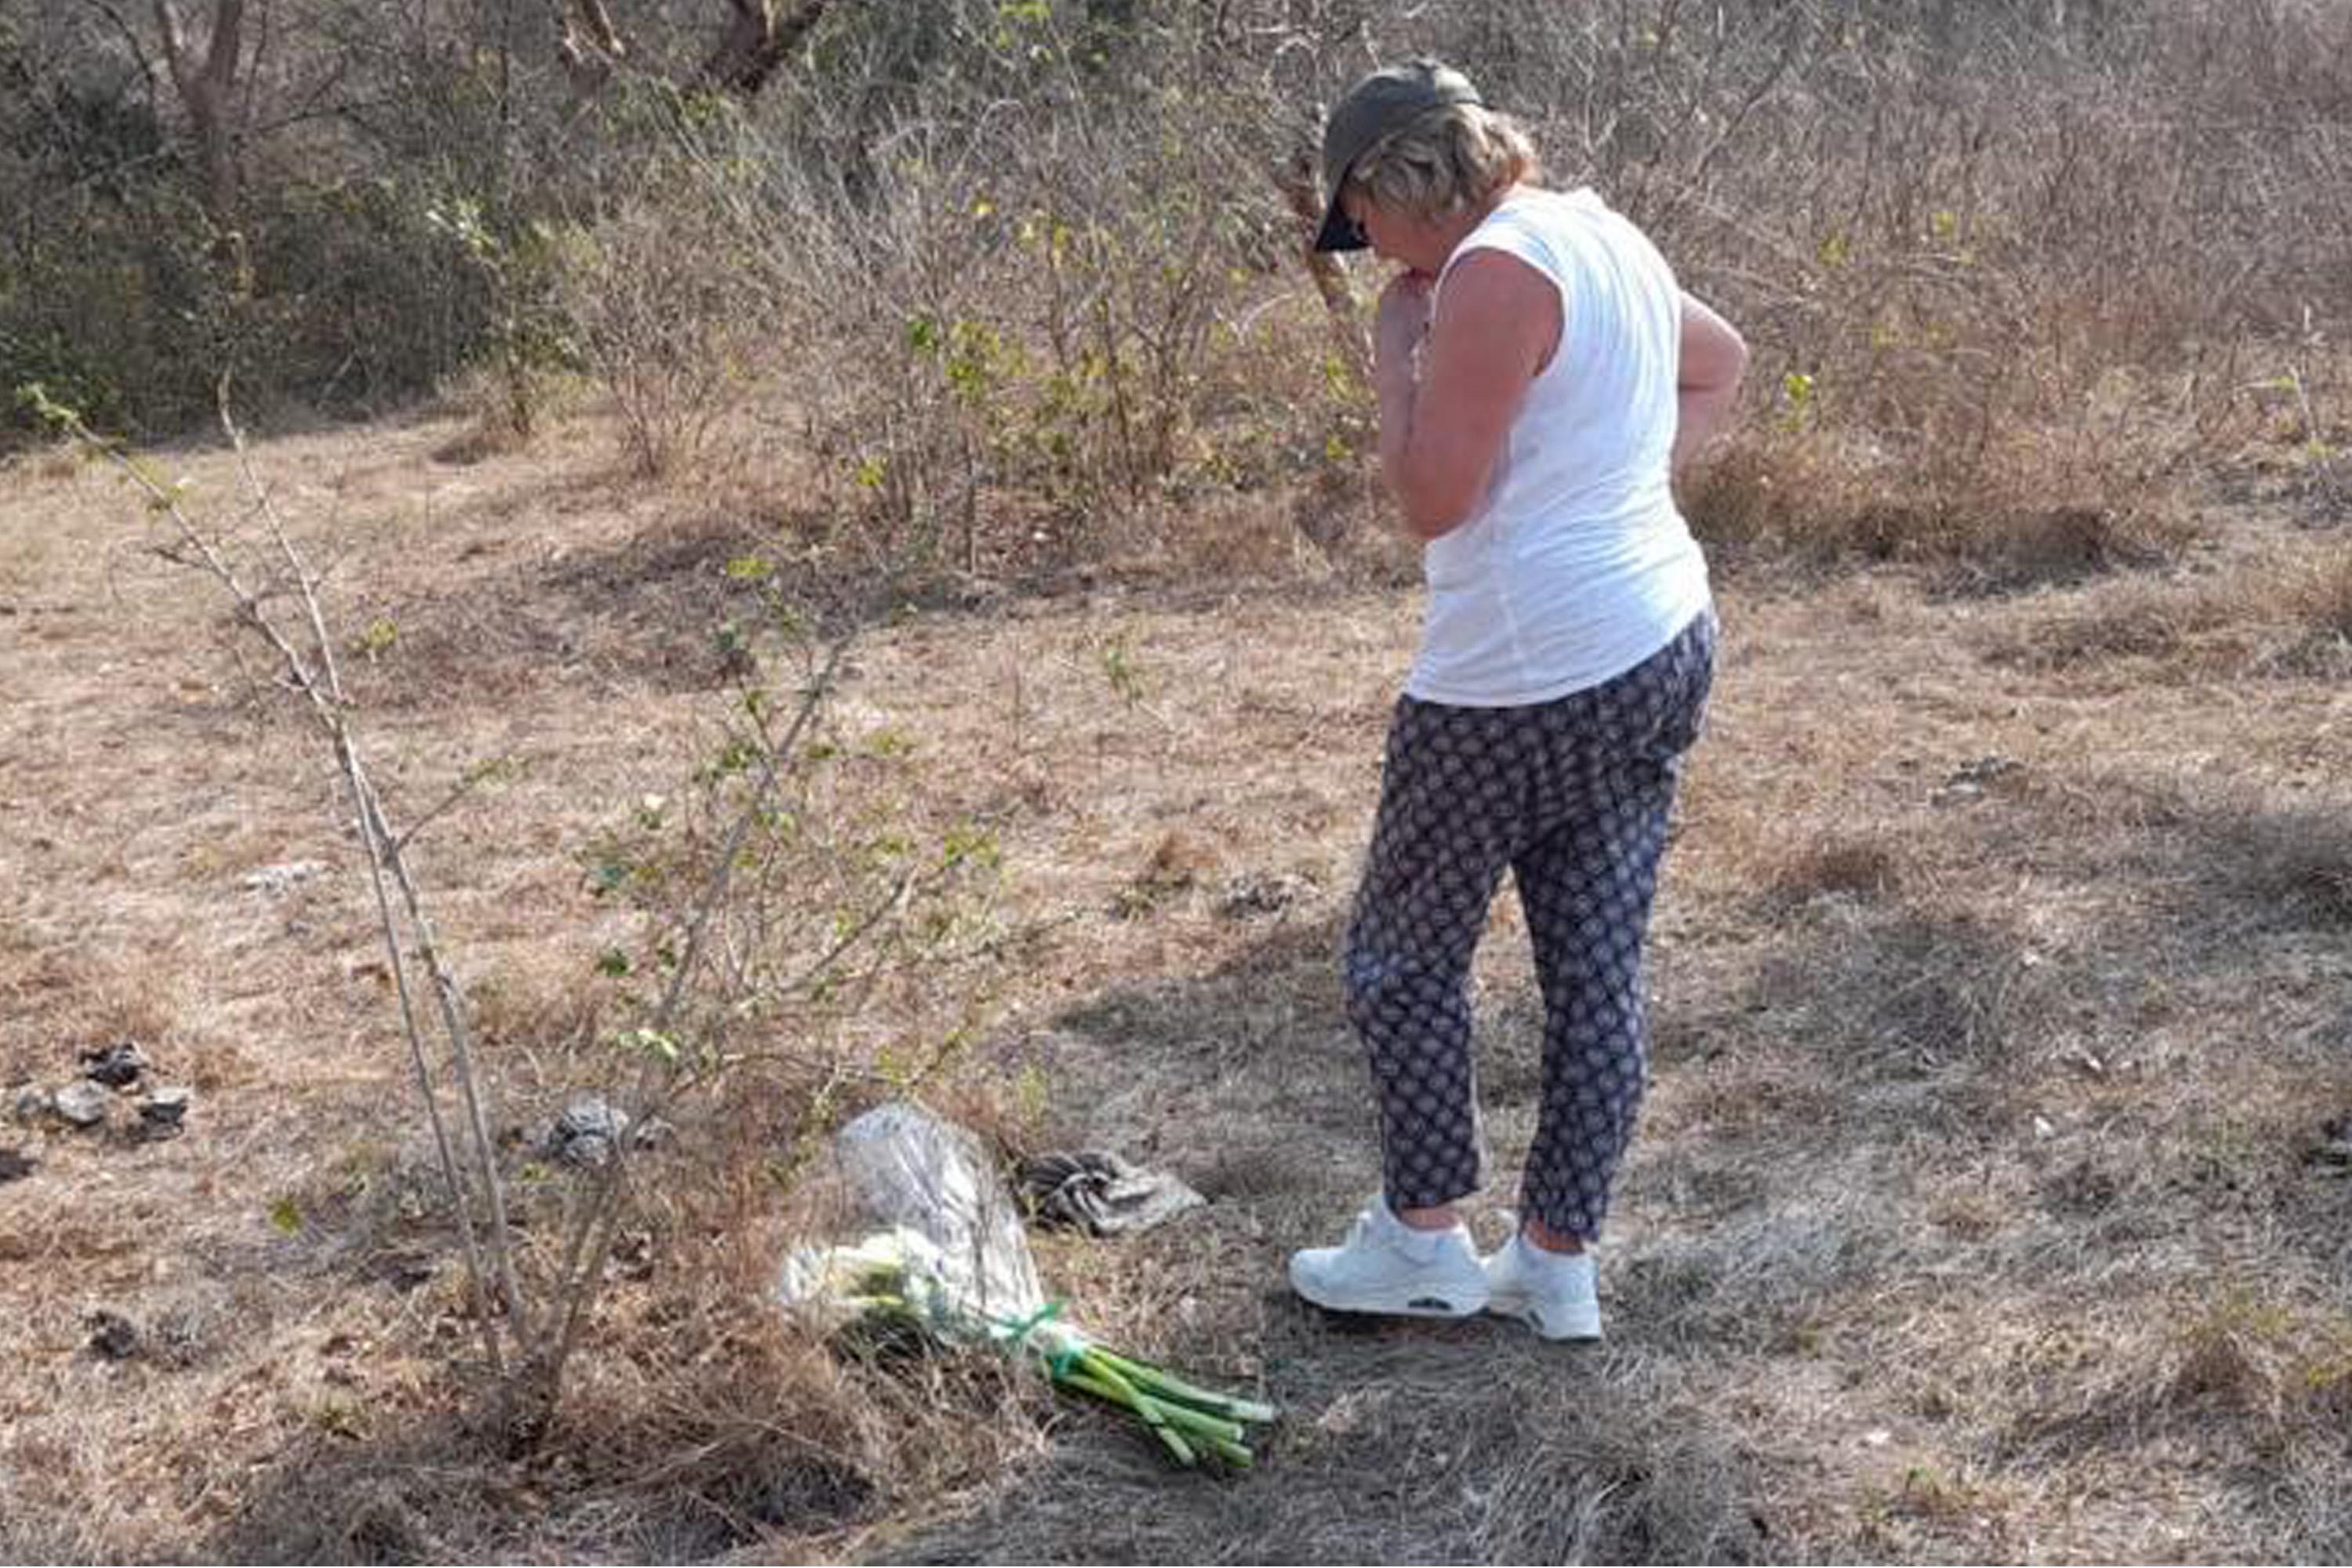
(2001, 997)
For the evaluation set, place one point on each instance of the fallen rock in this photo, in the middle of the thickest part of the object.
(33, 1103)
(117, 1066)
(1254, 894)
(1973, 779)
(14, 1166)
(586, 1134)
(83, 1104)
(162, 1112)
(113, 1335)
(2332, 1148)
(276, 880)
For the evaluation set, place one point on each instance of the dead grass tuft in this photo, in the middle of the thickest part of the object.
(1755, 1279)
(1618, 1472)
(728, 1429)
(1906, 992)
(2295, 862)
(1864, 864)
(2012, 521)
(2316, 604)
(2269, 1361)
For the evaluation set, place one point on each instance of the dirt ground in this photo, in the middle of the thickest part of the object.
(1994, 1198)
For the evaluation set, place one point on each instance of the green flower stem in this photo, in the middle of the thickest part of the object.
(1153, 1416)
(1158, 1381)
(1237, 1455)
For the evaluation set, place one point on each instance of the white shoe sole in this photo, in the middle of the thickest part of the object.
(1402, 1303)
(1556, 1326)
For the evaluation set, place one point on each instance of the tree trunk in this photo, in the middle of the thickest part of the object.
(591, 45)
(760, 37)
(207, 80)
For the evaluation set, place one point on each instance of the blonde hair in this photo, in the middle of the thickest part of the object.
(1446, 160)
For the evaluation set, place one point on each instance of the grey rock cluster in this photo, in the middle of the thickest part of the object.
(110, 1074)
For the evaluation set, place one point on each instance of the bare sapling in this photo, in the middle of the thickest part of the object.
(528, 1320)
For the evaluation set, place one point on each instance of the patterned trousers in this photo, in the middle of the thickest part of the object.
(1572, 796)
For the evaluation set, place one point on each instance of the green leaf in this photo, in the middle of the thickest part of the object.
(651, 1042)
(284, 1217)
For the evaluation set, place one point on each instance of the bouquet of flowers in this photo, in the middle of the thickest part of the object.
(898, 1275)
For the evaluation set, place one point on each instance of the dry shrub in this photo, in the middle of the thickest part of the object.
(1995, 521)
(2322, 596)
(699, 1418)
(718, 1426)
(2274, 615)
(666, 312)
(1995, 323)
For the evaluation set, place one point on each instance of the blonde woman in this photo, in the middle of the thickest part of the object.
(1539, 372)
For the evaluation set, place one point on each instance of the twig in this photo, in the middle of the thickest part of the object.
(589, 1240)
(315, 683)
(383, 847)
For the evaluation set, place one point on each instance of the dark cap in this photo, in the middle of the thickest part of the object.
(1383, 101)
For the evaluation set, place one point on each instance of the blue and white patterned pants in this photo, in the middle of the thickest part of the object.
(1573, 797)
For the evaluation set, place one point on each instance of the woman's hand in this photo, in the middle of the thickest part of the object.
(1442, 424)
(1404, 320)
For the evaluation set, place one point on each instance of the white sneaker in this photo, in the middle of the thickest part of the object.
(1551, 1292)
(1386, 1266)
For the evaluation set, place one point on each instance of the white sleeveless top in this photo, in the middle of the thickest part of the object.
(1575, 566)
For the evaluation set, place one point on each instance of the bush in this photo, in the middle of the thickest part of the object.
(1029, 277)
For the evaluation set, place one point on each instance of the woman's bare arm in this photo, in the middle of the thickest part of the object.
(1714, 357)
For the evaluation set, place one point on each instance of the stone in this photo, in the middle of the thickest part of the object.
(117, 1066)
(277, 879)
(2332, 1147)
(83, 1104)
(33, 1103)
(586, 1134)
(162, 1112)
(14, 1166)
(113, 1335)
(1254, 894)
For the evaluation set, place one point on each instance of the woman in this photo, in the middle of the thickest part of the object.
(1539, 372)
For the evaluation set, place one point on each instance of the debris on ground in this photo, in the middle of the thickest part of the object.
(587, 1134)
(1177, 864)
(14, 1166)
(2332, 1149)
(117, 1066)
(1258, 893)
(1099, 1191)
(113, 1335)
(1972, 779)
(83, 1103)
(163, 1113)
(277, 879)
